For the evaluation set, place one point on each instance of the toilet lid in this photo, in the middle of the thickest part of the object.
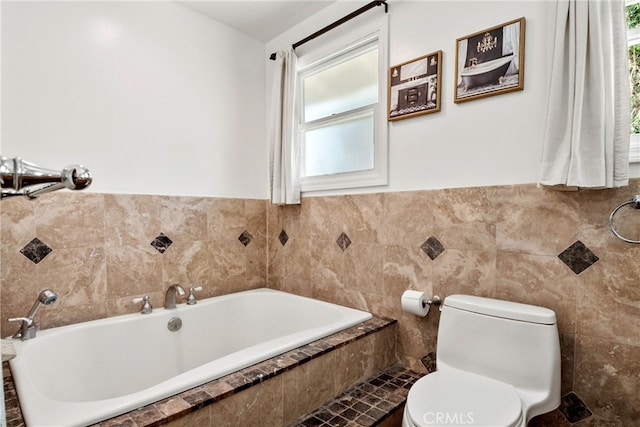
(458, 398)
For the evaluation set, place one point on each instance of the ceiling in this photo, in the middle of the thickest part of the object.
(263, 20)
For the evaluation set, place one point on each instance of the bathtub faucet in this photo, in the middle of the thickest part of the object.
(28, 326)
(170, 296)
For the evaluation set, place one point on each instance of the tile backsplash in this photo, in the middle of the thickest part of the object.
(519, 243)
(107, 249)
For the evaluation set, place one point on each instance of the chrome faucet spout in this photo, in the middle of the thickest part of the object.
(170, 296)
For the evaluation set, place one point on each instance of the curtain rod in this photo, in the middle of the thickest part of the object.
(337, 23)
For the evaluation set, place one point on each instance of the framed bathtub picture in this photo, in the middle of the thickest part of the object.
(490, 62)
(414, 87)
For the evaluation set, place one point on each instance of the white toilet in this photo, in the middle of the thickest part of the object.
(498, 365)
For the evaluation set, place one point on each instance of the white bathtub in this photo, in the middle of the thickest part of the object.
(81, 374)
(490, 72)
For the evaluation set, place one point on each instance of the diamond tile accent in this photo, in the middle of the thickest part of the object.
(283, 237)
(432, 247)
(578, 257)
(161, 243)
(36, 250)
(343, 241)
(429, 361)
(573, 408)
(245, 238)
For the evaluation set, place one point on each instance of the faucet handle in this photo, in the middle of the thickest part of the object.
(27, 320)
(191, 299)
(146, 306)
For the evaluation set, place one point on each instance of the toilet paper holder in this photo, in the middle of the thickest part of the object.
(435, 300)
(417, 302)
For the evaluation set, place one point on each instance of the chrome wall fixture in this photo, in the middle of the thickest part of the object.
(28, 326)
(635, 202)
(22, 178)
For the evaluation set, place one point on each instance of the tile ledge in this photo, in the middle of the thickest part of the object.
(160, 412)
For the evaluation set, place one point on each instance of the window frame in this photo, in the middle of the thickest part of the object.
(353, 43)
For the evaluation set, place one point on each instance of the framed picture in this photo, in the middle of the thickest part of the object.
(414, 87)
(490, 62)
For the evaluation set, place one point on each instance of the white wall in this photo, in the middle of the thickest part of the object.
(491, 141)
(157, 99)
(152, 97)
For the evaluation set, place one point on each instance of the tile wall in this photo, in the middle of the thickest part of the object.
(98, 252)
(519, 243)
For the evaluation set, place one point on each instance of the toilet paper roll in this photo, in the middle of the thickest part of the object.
(412, 302)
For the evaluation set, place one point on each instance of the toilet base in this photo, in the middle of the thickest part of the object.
(405, 419)
(406, 422)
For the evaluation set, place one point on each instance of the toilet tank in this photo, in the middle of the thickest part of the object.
(511, 342)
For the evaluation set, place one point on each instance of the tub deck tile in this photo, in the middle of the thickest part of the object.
(182, 404)
(119, 422)
(280, 364)
(238, 381)
(147, 415)
(172, 407)
(197, 398)
(218, 389)
(12, 412)
(299, 355)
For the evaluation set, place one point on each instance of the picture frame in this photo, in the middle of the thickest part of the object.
(490, 62)
(414, 87)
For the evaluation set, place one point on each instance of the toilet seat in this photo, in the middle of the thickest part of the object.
(461, 398)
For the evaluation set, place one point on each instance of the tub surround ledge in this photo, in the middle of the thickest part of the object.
(184, 406)
(8, 350)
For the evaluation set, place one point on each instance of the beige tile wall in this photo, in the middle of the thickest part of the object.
(499, 241)
(102, 255)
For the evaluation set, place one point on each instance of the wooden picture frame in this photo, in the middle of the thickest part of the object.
(414, 87)
(490, 62)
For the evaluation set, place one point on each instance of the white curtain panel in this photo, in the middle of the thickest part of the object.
(511, 45)
(284, 162)
(462, 59)
(587, 135)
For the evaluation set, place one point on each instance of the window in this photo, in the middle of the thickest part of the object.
(633, 35)
(342, 128)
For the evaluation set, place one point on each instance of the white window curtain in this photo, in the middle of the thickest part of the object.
(587, 136)
(462, 59)
(284, 162)
(511, 45)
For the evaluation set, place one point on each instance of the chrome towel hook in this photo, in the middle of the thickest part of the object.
(635, 201)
